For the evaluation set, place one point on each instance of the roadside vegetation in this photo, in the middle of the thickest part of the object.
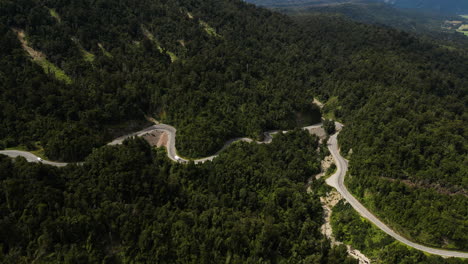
(402, 97)
(356, 231)
(130, 204)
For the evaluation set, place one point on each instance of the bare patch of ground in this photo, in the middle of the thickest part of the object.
(182, 42)
(318, 103)
(156, 138)
(324, 165)
(36, 55)
(328, 202)
(40, 58)
(319, 132)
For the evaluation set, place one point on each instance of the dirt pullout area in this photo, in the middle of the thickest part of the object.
(319, 132)
(157, 138)
(328, 202)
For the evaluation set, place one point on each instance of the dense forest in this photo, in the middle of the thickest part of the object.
(351, 229)
(130, 204)
(403, 102)
(182, 62)
(72, 72)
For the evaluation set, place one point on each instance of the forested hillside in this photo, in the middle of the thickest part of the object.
(130, 204)
(213, 69)
(404, 105)
(350, 228)
(74, 72)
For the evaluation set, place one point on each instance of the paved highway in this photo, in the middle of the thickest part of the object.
(171, 148)
(30, 157)
(337, 181)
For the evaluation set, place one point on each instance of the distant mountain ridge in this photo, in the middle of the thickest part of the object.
(302, 3)
(443, 6)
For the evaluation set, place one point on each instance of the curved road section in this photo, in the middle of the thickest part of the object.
(337, 181)
(30, 157)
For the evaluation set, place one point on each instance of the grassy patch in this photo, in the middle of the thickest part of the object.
(40, 58)
(151, 37)
(87, 56)
(330, 107)
(104, 51)
(172, 55)
(464, 32)
(209, 30)
(55, 15)
(354, 230)
(49, 67)
(464, 16)
(37, 149)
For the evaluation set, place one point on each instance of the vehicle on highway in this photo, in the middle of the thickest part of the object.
(39, 159)
(177, 158)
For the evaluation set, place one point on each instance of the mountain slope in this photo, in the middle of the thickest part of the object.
(221, 69)
(215, 90)
(403, 103)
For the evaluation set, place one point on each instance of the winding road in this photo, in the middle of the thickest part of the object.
(30, 157)
(171, 149)
(336, 180)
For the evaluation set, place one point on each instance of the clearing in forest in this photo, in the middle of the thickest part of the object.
(463, 29)
(151, 37)
(104, 51)
(209, 30)
(87, 56)
(40, 58)
(55, 15)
